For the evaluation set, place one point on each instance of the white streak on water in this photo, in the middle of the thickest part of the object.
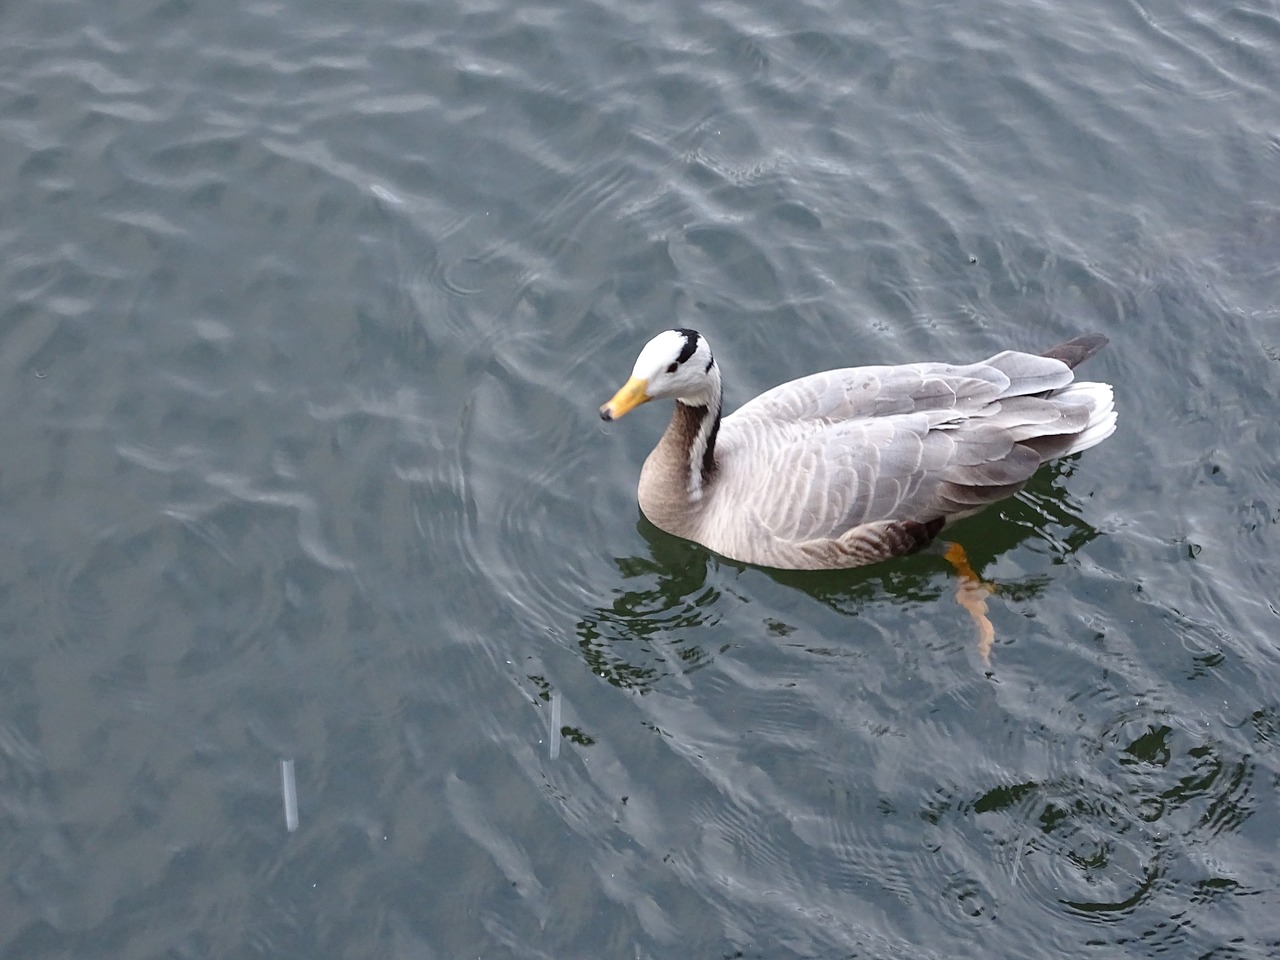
(555, 725)
(382, 193)
(310, 528)
(290, 788)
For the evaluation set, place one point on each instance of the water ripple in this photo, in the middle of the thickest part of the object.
(306, 324)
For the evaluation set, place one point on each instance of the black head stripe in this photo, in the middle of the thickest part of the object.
(690, 345)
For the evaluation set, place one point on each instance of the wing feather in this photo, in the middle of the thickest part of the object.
(1029, 373)
(878, 392)
(844, 448)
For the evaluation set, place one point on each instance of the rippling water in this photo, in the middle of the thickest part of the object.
(307, 311)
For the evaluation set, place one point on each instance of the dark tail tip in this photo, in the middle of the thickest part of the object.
(1077, 351)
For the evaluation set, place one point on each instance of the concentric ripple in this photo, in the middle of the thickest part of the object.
(306, 317)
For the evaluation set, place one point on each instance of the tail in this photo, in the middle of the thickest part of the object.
(1102, 414)
(1077, 351)
(1096, 397)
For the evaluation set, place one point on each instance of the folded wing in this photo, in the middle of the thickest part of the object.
(845, 448)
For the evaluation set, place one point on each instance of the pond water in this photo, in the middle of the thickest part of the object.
(307, 313)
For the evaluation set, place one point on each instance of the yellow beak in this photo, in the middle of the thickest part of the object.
(628, 398)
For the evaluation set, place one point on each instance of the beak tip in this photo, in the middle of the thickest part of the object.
(632, 394)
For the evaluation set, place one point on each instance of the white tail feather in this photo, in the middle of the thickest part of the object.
(1102, 412)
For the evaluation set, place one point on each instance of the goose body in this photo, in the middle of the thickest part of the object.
(852, 466)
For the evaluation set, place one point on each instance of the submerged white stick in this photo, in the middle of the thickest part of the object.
(555, 725)
(290, 788)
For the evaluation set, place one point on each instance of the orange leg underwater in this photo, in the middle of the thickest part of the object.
(972, 593)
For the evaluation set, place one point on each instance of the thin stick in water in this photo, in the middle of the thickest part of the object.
(290, 788)
(555, 725)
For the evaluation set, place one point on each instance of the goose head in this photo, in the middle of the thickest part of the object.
(675, 364)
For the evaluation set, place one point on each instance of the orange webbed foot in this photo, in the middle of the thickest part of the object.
(971, 593)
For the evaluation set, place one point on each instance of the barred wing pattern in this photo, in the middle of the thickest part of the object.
(820, 457)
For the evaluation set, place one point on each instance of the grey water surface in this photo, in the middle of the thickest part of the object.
(306, 310)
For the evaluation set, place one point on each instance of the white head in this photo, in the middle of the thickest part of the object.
(675, 363)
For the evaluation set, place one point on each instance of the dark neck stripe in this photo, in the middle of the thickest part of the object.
(709, 455)
(691, 419)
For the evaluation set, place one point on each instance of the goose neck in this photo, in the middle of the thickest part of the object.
(694, 429)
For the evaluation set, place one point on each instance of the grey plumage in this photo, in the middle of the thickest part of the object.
(851, 466)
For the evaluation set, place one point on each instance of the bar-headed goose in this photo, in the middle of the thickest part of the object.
(852, 466)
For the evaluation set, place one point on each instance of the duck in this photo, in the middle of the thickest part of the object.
(857, 465)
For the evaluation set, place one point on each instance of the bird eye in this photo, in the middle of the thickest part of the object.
(672, 368)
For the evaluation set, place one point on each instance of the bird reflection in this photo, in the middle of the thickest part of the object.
(641, 636)
(630, 642)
